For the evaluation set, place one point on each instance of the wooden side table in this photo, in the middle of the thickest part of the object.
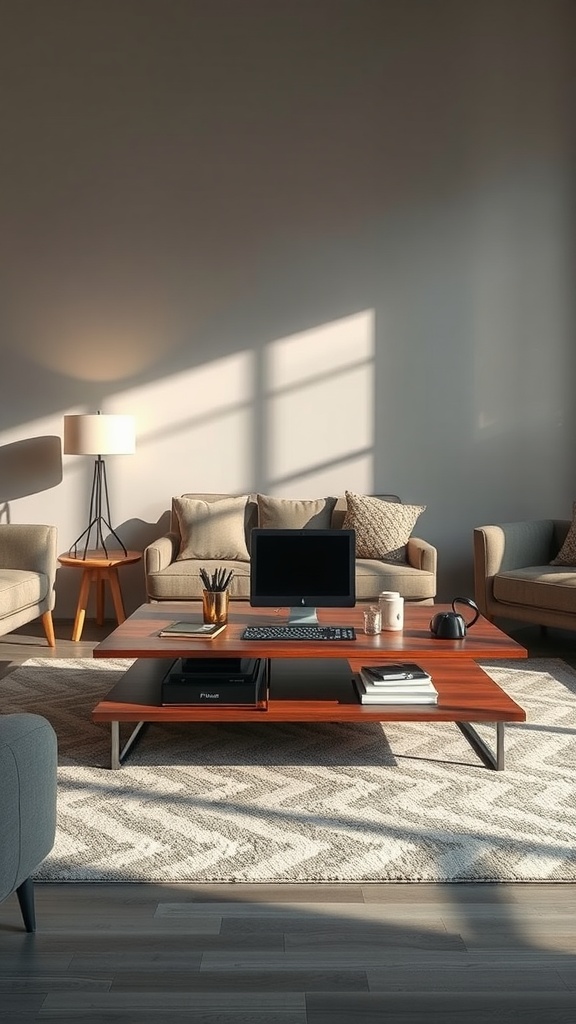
(100, 569)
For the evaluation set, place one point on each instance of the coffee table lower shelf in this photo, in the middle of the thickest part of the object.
(317, 690)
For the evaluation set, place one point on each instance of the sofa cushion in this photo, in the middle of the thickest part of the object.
(21, 589)
(212, 529)
(567, 553)
(294, 514)
(541, 586)
(383, 528)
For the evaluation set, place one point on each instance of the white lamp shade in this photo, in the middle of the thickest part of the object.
(99, 435)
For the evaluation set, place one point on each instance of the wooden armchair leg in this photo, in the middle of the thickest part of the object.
(48, 624)
(25, 894)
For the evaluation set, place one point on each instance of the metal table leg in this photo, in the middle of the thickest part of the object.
(117, 756)
(484, 751)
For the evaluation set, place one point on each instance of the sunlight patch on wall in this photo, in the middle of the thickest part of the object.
(319, 409)
(193, 429)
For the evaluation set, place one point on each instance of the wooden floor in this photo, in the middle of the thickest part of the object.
(289, 954)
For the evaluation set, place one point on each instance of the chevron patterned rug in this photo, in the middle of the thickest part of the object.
(306, 802)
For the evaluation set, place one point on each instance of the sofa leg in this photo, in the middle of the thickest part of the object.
(49, 629)
(25, 894)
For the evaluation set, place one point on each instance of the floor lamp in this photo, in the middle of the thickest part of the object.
(98, 435)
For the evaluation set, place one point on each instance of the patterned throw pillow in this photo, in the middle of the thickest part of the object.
(212, 529)
(567, 553)
(294, 514)
(382, 527)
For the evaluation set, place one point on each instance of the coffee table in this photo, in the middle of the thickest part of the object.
(310, 682)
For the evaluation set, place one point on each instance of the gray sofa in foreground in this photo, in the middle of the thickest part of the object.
(173, 576)
(513, 577)
(28, 764)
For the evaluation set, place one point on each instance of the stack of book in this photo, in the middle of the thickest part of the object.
(401, 683)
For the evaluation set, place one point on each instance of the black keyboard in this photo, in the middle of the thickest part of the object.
(299, 633)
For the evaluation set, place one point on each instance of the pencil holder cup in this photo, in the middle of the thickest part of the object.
(215, 606)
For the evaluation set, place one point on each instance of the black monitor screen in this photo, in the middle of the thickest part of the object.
(305, 568)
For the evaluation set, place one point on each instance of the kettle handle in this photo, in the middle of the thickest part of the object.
(471, 604)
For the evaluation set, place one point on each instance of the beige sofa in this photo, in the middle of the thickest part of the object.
(514, 579)
(169, 578)
(27, 576)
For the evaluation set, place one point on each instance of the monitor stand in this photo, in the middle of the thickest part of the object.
(302, 616)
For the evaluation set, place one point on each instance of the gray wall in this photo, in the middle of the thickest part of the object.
(309, 245)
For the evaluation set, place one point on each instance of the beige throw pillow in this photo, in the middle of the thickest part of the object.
(567, 553)
(212, 529)
(382, 527)
(294, 514)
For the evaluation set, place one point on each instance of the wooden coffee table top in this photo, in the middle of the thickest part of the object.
(137, 637)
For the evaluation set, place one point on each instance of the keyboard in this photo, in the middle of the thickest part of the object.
(299, 633)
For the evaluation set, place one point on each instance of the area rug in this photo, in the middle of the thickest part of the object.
(308, 802)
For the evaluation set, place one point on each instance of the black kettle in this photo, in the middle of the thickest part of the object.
(450, 625)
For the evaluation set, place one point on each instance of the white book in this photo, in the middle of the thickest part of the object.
(378, 695)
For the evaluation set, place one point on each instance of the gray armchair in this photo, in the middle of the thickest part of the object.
(27, 576)
(28, 764)
(513, 577)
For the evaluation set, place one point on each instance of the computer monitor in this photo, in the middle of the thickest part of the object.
(302, 569)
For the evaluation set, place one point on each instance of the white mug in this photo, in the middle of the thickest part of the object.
(392, 606)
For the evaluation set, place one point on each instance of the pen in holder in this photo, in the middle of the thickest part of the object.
(215, 595)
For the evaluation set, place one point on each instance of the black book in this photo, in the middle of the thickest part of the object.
(395, 671)
(404, 685)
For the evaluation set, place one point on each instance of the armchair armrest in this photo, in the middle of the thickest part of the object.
(29, 546)
(422, 555)
(161, 553)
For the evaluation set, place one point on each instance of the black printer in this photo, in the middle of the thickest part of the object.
(220, 681)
